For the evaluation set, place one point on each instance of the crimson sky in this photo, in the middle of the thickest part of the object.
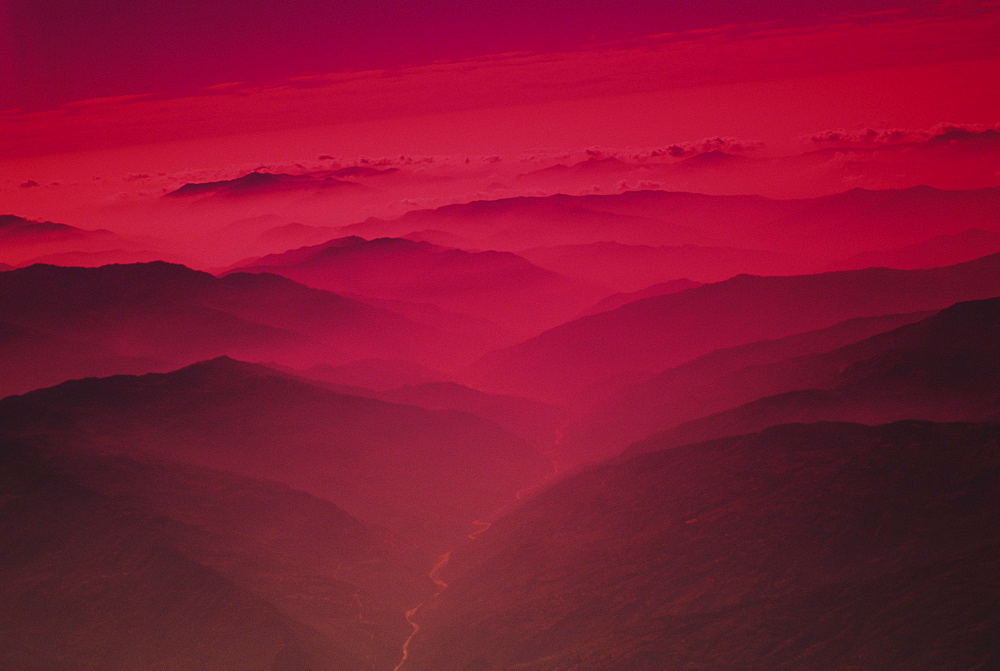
(95, 91)
(55, 51)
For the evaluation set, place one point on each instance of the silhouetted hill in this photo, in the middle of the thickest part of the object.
(537, 423)
(828, 227)
(423, 474)
(261, 183)
(31, 359)
(721, 380)
(23, 239)
(498, 286)
(656, 333)
(944, 368)
(615, 301)
(820, 546)
(96, 577)
(940, 251)
(174, 316)
(631, 267)
(15, 229)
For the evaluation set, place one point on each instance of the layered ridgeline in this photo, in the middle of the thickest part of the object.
(573, 362)
(825, 229)
(803, 546)
(129, 563)
(227, 516)
(423, 474)
(74, 322)
(498, 286)
(713, 382)
(943, 368)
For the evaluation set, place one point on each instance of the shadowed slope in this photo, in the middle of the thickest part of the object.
(91, 580)
(497, 286)
(174, 316)
(423, 474)
(656, 333)
(944, 368)
(820, 546)
(717, 381)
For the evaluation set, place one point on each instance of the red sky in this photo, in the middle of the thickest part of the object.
(106, 88)
(60, 51)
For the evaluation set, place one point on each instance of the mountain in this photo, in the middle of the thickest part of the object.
(653, 334)
(424, 475)
(940, 251)
(511, 224)
(498, 286)
(174, 315)
(261, 183)
(536, 423)
(22, 240)
(944, 368)
(803, 546)
(632, 267)
(825, 228)
(31, 359)
(721, 380)
(615, 301)
(95, 259)
(374, 374)
(101, 572)
(15, 229)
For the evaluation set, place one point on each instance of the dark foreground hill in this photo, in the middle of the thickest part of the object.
(422, 474)
(121, 563)
(826, 546)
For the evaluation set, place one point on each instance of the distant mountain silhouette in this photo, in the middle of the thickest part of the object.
(537, 423)
(656, 333)
(261, 183)
(174, 315)
(31, 359)
(615, 301)
(22, 240)
(512, 224)
(940, 251)
(721, 380)
(632, 267)
(828, 227)
(944, 368)
(423, 474)
(498, 286)
(374, 374)
(805, 546)
(14, 228)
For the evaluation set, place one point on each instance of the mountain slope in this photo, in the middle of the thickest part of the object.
(656, 333)
(423, 474)
(174, 316)
(718, 381)
(818, 546)
(89, 581)
(944, 368)
(497, 286)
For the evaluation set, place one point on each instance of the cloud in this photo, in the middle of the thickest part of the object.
(728, 145)
(30, 184)
(669, 63)
(874, 137)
